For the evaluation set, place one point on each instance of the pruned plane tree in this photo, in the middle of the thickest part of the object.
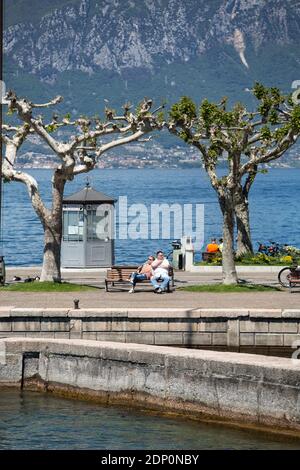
(233, 144)
(86, 140)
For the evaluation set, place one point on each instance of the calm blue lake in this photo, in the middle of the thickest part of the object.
(32, 420)
(274, 203)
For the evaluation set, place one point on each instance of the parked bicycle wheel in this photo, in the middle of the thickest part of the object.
(284, 277)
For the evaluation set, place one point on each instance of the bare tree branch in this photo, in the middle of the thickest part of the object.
(10, 174)
(274, 153)
(118, 142)
(56, 100)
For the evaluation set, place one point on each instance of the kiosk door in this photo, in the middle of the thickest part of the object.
(99, 246)
(73, 249)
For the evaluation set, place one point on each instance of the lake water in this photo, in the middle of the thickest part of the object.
(274, 204)
(32, 420)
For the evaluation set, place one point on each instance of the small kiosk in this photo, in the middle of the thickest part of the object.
(88, 229)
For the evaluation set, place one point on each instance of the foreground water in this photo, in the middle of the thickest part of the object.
(32, 420)
(274, 204)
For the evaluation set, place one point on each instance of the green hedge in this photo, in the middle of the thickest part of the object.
(259, 259)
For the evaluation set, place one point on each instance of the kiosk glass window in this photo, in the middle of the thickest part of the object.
(97, 224)
(73, 225)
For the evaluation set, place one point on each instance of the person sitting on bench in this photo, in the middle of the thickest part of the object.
(212, 247)
(160, 269)
(143, 272)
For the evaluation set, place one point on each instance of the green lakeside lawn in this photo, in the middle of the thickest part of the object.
(222, 288)
(69, 287)
(46, 287)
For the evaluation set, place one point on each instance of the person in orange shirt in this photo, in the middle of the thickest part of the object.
(212, 247)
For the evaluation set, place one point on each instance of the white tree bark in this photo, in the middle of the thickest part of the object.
(51, 270)
(10, 174)
(228, 263)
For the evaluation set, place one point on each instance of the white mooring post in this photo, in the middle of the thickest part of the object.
(187, 252)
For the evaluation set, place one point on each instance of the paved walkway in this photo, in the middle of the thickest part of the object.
(96, 277)
(149, 299)
(146, 298)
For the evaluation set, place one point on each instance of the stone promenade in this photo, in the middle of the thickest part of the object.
(99, 298)
(144, 297)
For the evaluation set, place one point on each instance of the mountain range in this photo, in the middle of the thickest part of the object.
(120, 50)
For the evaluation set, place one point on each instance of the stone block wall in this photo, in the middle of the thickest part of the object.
(233, 329)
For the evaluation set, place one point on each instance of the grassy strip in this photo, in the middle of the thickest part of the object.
(222, 288)
(46, 287)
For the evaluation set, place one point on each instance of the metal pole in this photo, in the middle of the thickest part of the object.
(2, 265)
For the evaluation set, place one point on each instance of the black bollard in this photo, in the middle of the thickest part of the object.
(76, 304)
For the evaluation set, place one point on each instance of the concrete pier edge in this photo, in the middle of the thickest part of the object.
(251, 391)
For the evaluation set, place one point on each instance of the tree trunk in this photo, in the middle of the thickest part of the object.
(244, 242)
(53, 232)
(228, 263)
(51, 259)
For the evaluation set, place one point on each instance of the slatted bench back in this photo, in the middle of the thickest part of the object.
(120, 273)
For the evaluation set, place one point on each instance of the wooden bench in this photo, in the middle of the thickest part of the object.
(117, 275)
(208, 256)
(294, 278)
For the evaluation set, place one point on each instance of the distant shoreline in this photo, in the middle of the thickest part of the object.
(179, 167)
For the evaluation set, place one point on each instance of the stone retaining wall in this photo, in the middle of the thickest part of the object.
(241, 388)
(234, 329)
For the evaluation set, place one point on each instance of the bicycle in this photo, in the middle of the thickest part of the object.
(274, 249)
(286, 275)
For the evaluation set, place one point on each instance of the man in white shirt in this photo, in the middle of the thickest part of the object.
(160, 270)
